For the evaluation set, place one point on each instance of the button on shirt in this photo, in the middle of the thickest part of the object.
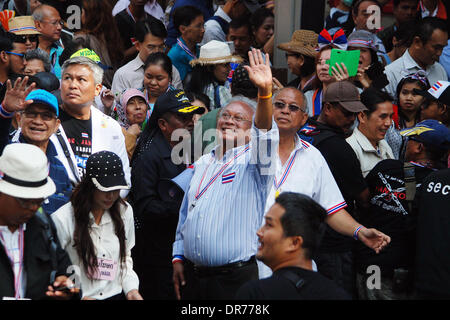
(221, 227)
(10, 242)
(404, 66)
(131, 75)
(367, 155)
(106, 245)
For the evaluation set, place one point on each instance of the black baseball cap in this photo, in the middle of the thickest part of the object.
(173, 101)
(106, 171)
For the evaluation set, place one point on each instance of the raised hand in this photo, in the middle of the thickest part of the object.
(259, 71)
(374, 239)
(340, 72)
(15, 96)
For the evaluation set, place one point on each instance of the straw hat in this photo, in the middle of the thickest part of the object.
(215, 52)
(22, 25)
(303, 42)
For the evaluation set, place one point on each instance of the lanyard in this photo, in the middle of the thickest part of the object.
(317, 101)
(185, 48)
(17, 275)
(284, 176)
(199, 193)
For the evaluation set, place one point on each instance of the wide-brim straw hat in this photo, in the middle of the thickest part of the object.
(303, 42)
(215, 52)
(22, 25)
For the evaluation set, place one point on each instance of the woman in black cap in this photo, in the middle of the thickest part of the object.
(96, 228)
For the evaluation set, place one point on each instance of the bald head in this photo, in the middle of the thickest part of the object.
(48, 22)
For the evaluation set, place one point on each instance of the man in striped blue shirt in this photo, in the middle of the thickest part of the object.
(223, 208)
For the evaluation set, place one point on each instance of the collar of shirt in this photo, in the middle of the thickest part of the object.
(106, 218)
(426, 13)
(223, 15)
(5, 229)
(136, 63)
(364, 142)
(410, 64)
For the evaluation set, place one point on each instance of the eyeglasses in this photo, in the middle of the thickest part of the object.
(238, 118)
(292, 107)
(29, 203)
(45, 116)
(160, 48)
(55, 23)
(16, 54)
(24, 38)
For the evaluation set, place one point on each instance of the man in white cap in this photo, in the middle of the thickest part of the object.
(25, 237)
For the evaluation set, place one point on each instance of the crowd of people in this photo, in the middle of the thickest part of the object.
(151, 153)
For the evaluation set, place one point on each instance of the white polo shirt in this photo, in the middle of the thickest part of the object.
(306, 171)
(367, 155)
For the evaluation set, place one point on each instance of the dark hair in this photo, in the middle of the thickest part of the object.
(71, 47)
(397, 2)
(408, 79)
(201, 77)
(302, 217)
(241, 84)
(150, 25)
(100, 23)
(259, 16)
(199, 96)
(5, 44)
(426, 27)
(183, 16)
(82, 202)
(349, 25)
(161, 59)
(241, 22)
(445, 117)
(405, 33)
(371, 97)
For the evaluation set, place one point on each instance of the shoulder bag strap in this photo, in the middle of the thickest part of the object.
(67, 154)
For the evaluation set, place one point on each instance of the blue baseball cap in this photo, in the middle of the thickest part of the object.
(429, 132)
(44, 97)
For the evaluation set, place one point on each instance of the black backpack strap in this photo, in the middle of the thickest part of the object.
(293, 278)
(49, 237)
(67, 154)
(223, 24)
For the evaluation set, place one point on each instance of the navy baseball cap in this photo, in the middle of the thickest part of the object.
(173, 101)
(429, 132)
(44, 97)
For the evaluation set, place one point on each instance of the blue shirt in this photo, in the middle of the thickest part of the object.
(445, 59)
(219, 227)
(180, 59)
(204, 6)
(58, 173)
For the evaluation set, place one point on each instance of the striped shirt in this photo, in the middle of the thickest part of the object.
(217, 225)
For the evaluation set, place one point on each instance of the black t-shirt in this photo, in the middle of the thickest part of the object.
(389, 213)
(79, 135)
(279, 287)
(344, 166)
(433, 236)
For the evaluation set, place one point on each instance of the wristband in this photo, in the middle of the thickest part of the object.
(4, 113)
(177, 259)
(355, 234)
(265, 97)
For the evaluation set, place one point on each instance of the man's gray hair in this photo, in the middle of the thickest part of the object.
(38, 13)
(97, 71)
(252, 103)
(304, 106)
(39, 54)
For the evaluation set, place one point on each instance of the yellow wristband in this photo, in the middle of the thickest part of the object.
(265, 97)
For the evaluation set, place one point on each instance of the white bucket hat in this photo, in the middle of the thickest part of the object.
(215, 52)
(24, 172)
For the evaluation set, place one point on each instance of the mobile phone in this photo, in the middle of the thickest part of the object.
(349, 58)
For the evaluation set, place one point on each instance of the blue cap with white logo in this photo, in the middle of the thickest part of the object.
(44, 97)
